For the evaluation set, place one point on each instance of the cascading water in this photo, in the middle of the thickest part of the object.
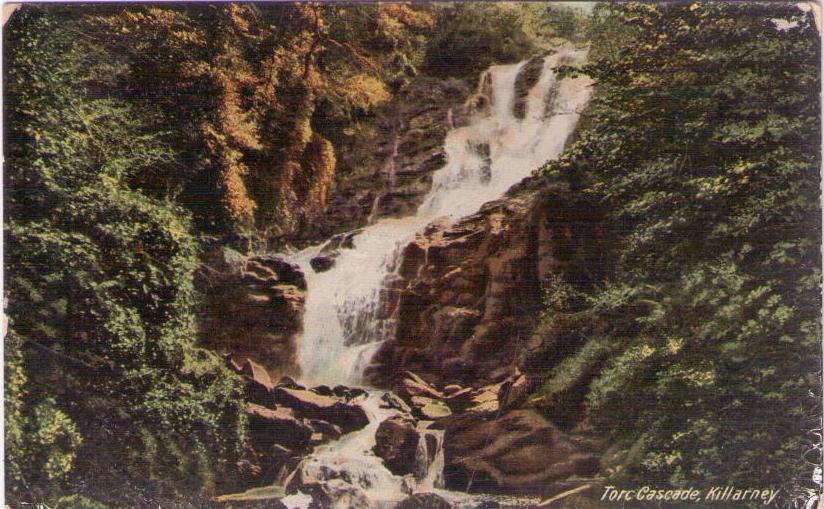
(339, 326)
(343, 326)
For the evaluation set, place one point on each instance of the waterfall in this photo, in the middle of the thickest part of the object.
(342, 323)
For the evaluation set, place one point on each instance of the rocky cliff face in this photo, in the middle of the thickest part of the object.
(470, 293)
(252, 308)
(386, 169)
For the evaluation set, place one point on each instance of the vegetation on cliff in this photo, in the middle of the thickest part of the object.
(699, 356)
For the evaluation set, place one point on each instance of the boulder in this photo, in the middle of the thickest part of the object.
(348, 393)
(348, 416)
(327, 430)
(519, 452)
(329, 493)
(328, 488)
(424, 501)
(396, 442)
(290, 383)
(268, 428)
(323, 390)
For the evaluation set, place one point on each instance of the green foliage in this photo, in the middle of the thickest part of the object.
(101, 357)
(560, 22)
(702, 143)
(468, 38)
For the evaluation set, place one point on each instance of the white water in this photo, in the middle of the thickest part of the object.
(341, 326)
(349, 463)
(353, 472)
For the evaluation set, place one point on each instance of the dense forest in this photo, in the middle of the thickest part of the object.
(702, 145)
(138, 137)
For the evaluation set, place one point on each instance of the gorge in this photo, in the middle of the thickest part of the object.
(352, 307)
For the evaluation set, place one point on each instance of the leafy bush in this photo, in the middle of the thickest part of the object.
(468, 38)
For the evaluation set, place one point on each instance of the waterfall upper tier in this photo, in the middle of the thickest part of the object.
(346, 317)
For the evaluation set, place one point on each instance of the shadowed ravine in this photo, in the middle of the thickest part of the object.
(346, 319)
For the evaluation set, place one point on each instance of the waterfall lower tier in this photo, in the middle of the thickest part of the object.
(353, 476)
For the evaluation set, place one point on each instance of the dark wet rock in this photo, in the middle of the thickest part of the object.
(290, 383)
(424, 501)
(527, 78)
(348, 393)
(323, 390)
(322, 263)
(334, 245)
(327, 430)
(518, 452)
(396, 442)
(348, 416)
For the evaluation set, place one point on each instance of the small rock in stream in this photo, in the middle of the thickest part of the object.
(322, 263)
